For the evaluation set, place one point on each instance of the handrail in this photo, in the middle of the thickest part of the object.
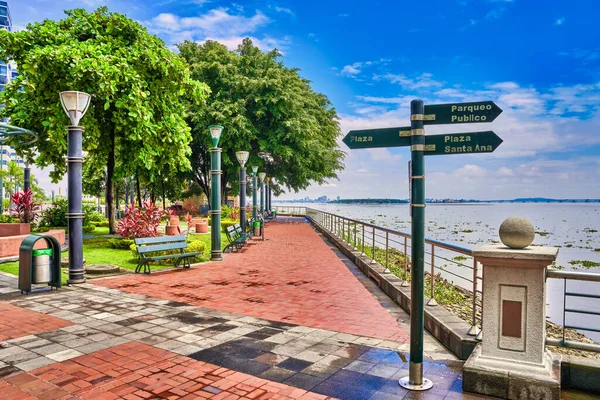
(377, 240)
(575, 275)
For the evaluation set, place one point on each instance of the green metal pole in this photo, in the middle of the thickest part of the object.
(215, 204)
(254, 199)
(262, 197)
(415, 380)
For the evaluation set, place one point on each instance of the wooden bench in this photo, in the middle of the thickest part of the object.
(148, 248)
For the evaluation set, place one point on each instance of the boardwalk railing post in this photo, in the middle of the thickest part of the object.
(432, 301)
(474, 330)
(405, 279)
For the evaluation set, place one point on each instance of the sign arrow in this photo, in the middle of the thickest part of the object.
(461, 113)
(372, 138)
(462, 143)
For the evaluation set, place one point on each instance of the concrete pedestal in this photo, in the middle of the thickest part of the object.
(511, 361)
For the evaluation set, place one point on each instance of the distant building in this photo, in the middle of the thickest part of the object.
(338, 198)
(8, 72)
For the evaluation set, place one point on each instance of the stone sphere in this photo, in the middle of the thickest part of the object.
(517, 232)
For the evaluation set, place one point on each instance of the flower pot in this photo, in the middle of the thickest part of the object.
(202, 227)
(172, 230)
(174, 220)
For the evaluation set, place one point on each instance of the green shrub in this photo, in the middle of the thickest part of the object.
(103, 224)
(57, 215)
(121, 244)
(134, 251)
(8, 219)
(89, 228)
(226, 223)
(197, 246)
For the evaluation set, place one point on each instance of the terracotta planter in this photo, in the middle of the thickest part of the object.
(174, 221)
(197, 220)
(172, 230)
(14, 229)
(202, 227)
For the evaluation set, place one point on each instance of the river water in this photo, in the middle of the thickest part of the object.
(573, 227)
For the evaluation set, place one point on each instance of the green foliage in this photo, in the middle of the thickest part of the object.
(87, 229)
(197, 246)
(102, 224)
(8, 219)
(57, 214)
(587, 264)
(226, 223)
(135, 122)
(121, 244)
(265, 108)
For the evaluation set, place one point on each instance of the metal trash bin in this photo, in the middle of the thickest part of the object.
(40, 263)
(256, 226)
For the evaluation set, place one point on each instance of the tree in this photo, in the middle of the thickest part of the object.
(13, 176)
(136, 117)
(265, 108)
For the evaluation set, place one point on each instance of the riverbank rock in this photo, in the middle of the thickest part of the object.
(517, 232)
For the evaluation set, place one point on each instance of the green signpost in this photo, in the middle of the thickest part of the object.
(461, 113)
(461, 143)
(372, 138)
(421, 145)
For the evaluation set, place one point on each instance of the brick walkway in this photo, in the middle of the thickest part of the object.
(16, 322)
(291, 277)
(136, 371)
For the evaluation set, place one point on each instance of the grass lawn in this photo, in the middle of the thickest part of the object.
(97, 251)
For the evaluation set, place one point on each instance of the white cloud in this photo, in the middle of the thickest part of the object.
(285, 11)
(560, 21)
(422, 81)
(219, 24)
(351, 70)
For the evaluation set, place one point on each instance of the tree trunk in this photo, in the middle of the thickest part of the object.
(110, 172)
(139, 191)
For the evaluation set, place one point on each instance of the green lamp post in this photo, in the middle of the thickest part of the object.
(242, 157)
(262, 176)
(254, 200)
(215, 193)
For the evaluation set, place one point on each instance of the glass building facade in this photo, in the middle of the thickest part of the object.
(6, 69)
(8, 72)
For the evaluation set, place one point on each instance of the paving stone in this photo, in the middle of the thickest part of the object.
(64, 355)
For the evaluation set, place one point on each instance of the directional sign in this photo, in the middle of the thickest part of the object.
(461, 143)
(461, 113)
(371, 138)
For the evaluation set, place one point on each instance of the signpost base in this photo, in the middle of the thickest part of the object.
(405, 383)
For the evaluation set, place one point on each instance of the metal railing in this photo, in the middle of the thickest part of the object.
(387, 247)
(571, 308)
(391, 249)
(290, 210)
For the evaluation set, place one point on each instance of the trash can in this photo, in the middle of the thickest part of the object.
(256, 226)
(40, 262)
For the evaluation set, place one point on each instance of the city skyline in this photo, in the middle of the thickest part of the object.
(550, 97)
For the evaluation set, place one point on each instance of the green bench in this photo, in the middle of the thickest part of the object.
(237, 239)
(149, 249)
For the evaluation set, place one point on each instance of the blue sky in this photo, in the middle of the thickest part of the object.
(538, 60)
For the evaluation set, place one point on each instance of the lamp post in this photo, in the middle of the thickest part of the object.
(254, 200)
(215, 193)
(262, 176)
(242, 157)
(26, 177)
(75, 105)
(268, 195)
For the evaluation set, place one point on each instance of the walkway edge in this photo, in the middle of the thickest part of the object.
(447, 328)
